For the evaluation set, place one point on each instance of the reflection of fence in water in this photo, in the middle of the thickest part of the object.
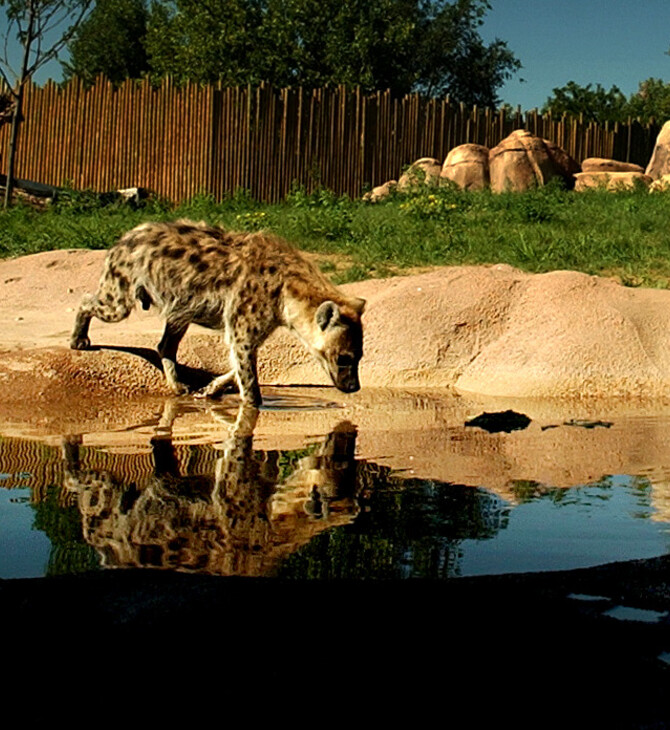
(35, 464)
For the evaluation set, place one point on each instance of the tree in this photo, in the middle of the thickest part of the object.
(43, 28)
(205, 41)
(594, 104)
(652, 101)
(111, 42)
(431, 46)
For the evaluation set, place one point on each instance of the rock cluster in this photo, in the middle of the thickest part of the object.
(523, 161)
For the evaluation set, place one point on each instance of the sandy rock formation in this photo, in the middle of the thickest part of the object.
(662, 185)
(601, 164)
(659, 164)
(523, 161)
(424, 171)
(494, 331)
(381, 191)
(610, 180)
(497, 331)
(468, 166)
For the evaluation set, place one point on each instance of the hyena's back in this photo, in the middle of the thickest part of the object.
(186, 269)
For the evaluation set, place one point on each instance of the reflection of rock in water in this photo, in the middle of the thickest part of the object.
(226, 522)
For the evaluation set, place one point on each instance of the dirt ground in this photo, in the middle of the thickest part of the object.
(538, 649)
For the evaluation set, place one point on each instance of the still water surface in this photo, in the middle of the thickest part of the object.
(322, 509)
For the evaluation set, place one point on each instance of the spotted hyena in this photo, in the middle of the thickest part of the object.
(244, 284)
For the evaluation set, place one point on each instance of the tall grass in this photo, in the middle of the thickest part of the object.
(623, 234)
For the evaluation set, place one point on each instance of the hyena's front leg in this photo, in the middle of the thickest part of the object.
(216, 386)
(244, 372)
(115, 307)
(80, 339)
(243, 359)
(167, 349)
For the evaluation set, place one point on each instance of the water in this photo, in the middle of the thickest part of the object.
(316, 489)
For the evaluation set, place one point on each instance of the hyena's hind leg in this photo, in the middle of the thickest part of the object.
(167, 349)
(112, 303)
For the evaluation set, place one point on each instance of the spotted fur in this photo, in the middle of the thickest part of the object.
(243, 284)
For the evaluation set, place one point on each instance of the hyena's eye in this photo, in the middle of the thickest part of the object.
(345, 361)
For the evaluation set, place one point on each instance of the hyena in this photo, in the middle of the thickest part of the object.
(243, 284)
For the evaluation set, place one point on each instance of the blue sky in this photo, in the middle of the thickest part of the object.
(610, 42)
(619, 42)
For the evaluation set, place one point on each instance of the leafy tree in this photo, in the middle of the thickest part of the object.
(404, 45)
(205, 41)
(595, 104)
(652, 101)
(110, 41)
(42, 28)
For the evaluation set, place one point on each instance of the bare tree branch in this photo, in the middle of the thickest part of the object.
(34, 19)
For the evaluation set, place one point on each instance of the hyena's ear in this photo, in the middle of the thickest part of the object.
(357, 304)
(327, 314)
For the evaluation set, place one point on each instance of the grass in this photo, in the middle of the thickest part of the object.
(623, 234)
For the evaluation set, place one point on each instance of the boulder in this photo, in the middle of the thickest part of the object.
(424, 171)
(523, 161)
(662, 185)
(380, 192)
(610, 180)
(602, 164)
(468, 166)
(659, 164)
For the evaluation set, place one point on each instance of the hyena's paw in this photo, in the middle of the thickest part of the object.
(80, 343)
(218, 386)
(180, 389)
(214, 392)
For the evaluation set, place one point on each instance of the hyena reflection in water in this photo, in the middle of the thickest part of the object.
(239, 518)
(244, 284)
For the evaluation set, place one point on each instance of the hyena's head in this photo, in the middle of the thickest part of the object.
(340, 341)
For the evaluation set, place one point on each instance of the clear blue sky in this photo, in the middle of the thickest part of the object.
(611, 42)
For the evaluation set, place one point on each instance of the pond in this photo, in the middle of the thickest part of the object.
(386, 486)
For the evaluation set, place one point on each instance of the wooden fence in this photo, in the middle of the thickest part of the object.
(178, 141)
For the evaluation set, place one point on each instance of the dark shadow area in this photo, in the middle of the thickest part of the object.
(475, 649)
(195, 378)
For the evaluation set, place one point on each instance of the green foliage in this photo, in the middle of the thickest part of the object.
(594, 104)
(432, 46)
(651, 102)
(599, 232)
(62, 525)
(111, 42)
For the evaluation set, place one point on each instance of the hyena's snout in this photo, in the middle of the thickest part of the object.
(344, 374)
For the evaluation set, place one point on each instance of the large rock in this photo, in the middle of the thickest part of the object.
(424, 171)
(610, 180)
(662, 185)
(493, 330)
(468, 166)
(523, 161)
(602, 164)
(380, 192)
(659, 164)
(497, 331)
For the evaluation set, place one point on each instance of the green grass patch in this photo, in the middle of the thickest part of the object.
(623, 234)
